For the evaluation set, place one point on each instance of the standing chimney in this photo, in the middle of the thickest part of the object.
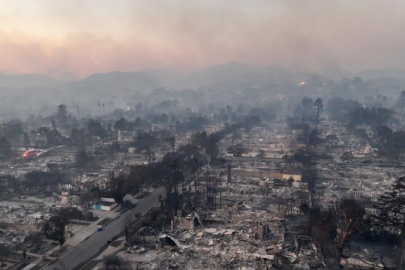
(65, 198)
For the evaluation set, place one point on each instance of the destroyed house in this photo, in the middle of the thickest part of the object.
(189, 222)
(294, 173)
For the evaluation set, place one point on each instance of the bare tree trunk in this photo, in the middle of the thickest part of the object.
(401, 264)
(401, 261)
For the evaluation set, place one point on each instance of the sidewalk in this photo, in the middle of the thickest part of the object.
(111, 249)
(90, 229)
(76, 239)
(72, 244)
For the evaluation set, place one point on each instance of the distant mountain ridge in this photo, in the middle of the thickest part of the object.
(132, 81)
(238, 75)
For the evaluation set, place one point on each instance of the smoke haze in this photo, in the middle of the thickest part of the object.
(72, 39)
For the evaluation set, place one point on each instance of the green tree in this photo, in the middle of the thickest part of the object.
(357, 80)
(41, 180)
(139, 175)
(383, 134)
(83, 158)
(54, 138)
(395, 145)
(171, 177)
(340, 109)
(249, 121)
(9, 184)
(350, 217)
(322, 228)
(54, 229)
(5, 252)
(96, 129)
(138, 122)
(373, 117)
(189, 150)
(5, 147)
(61, 116)
(305, 108)
(121, 124)
(391, 217)
(144, 140)
(332, 230)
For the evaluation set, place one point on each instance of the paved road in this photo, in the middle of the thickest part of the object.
(88, 248)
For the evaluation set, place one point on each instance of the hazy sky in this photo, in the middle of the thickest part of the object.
(76, 37)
